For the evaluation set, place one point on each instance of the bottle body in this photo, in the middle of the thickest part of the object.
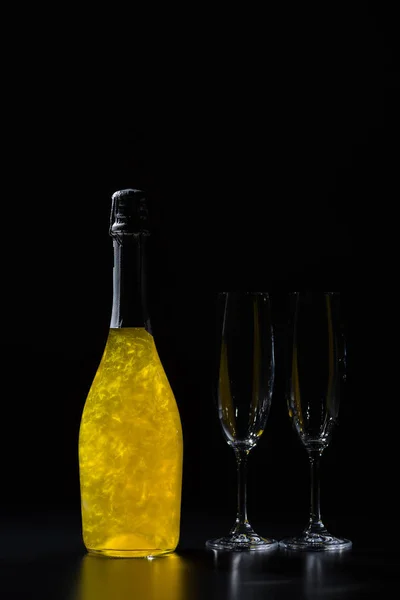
(130, 452)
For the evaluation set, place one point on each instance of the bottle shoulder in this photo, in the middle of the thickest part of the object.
(131, 374)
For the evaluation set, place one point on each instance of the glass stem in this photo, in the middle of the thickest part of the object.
(241, 525)
(315, 523)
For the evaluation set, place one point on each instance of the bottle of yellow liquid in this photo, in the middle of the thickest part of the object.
(130, 437)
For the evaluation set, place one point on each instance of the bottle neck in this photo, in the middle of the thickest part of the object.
(129, 308)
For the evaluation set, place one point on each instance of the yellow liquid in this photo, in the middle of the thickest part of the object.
(130, 452)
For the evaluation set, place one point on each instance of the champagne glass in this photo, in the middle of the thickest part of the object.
(316, 370)
(245, 379)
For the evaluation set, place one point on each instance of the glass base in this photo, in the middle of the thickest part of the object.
(242, 542)
(315, 541)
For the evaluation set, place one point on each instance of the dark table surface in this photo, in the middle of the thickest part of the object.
(43, 557)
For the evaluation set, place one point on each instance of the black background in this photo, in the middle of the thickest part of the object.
(270, 156)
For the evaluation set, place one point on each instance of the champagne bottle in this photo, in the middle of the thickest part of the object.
(130, 436)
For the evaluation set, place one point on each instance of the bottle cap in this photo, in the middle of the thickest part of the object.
(129, 213)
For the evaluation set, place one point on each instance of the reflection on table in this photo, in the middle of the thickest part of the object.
(164, 578)
(198, 574)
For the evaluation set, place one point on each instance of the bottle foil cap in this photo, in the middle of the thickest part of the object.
(129, 213)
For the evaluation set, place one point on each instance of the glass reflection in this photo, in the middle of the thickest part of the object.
(320, 571)
(164, 578)
(325, 574)
(249, 574)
